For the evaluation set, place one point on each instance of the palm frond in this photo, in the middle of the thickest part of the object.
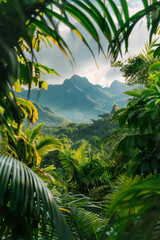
(32, 134)
(80, 154)
(84, 216)
(46, 144)
(151, 11)
(138, 212)
(90, 225)
(59, 182)
(23, 194)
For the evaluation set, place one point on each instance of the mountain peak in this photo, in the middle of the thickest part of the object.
(75, 79)
(116, 84)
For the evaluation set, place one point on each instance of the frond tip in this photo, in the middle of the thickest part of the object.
(24, 195)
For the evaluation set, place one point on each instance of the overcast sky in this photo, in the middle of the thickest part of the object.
(85, 65)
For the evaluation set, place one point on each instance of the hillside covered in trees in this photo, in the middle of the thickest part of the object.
(101, 128)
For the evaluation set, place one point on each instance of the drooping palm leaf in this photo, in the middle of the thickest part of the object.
(151, 11)
(24, 195)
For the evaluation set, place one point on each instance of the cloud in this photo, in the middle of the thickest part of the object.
(134, 5)
(85, 65)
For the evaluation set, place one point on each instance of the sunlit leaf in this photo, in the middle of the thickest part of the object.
(17, 86)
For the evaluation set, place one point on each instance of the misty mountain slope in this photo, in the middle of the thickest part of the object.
(79, 100)
(49, 117)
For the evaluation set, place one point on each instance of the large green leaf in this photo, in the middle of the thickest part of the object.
(95, 14)
(125, 9)
(83, 19)
(118, 13)
(107, 15)
(24, 194)
(145, 3)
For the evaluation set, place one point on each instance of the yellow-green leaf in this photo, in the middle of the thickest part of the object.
(44, 85)
(17, 86)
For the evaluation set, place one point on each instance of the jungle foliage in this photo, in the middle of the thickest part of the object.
(136, 69)
(96, 195)
(93, 132)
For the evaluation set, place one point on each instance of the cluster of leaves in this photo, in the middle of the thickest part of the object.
(136, 69)
(142, 116)
(81, 171)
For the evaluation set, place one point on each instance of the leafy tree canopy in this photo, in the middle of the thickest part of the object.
(135, 69)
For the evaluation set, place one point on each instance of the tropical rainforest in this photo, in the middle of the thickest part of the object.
(82, 181)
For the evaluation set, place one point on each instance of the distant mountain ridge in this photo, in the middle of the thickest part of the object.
(79, 100)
